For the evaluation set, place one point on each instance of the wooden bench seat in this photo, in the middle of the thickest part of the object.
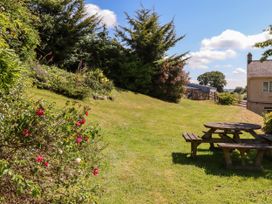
(196, 141)
(243, 148)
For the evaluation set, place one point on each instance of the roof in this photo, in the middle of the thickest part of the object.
(257, 68)
(202, 88)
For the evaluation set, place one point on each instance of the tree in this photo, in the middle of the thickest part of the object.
(147, 42)
(16, 29)
(267, 43)
(146, 37)
(62, 25)
(239, 90)
(215, 79)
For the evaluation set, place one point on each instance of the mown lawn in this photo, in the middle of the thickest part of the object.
(148, 160)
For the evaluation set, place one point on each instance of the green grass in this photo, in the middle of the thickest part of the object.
(148, 160)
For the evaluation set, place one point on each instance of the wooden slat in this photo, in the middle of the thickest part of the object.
(244, 146)
(191, 137)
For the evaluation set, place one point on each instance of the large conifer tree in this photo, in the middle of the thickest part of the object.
(63, 24)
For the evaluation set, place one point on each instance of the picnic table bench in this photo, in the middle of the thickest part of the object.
(243, 148)
(224, 130)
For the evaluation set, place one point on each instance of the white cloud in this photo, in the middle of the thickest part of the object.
(231, 39)
(223, 46)
(108, 17)
(233, 83)
(239, 71)
(201, 59)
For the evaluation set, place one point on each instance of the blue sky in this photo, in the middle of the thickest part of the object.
(219, 33)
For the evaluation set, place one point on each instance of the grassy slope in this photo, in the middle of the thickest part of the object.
(148, 158)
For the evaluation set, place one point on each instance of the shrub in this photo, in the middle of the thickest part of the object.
(98, 82)
(73, 85)
(9, 68)
(47, 155)
(226, 98)
(168, 83)
(268, 123)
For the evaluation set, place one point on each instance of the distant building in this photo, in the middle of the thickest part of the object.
(200, 92)
(259, 85)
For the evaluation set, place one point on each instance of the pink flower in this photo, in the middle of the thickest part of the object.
(95, 171)
(26, 132)
(46, 164)
(86, 113)
(79, 139)
(39, 158)
(83, 121)
(78, 123)
(40, 112)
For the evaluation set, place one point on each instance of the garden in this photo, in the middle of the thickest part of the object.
(91, 117)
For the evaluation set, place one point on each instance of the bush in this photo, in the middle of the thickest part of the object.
(9, 68)
(78, 86)
(98, 82)
(47, 155)
(268, 123)
(226, 98)
(168, 83)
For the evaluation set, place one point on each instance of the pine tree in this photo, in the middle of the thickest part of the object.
(146, 37)
(62, 25)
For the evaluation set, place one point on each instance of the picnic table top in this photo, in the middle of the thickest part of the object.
(233, 126)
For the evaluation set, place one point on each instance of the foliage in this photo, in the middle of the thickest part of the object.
(17, 32)
(73, 85)
(239, 90)
(227, 98)
(45, 153)
(62, 25)
(146, 42)
(268, 123)
(215, 79)
(264, 44)
(146, 37)
(9, 69)
(168, 84)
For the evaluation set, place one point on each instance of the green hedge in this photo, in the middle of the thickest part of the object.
(227, 98)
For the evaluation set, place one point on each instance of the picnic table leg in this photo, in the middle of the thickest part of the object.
(227, 158)
(194, 149)
(242, 153)
(208, 135)
(259, 158)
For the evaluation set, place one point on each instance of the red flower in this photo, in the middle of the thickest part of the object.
(95, 171)
(26, 132)
(86, 113)
(78, 123)
(39, 158)
(79, 139)
(83, 121)
(46, 164)
(40, 112)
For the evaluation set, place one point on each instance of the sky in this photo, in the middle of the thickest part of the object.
(219, 33)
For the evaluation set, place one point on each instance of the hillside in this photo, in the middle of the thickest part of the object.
(147, 158)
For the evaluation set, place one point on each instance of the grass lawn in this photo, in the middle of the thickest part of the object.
(148, 159)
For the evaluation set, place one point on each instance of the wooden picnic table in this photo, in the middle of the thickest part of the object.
(226, 129)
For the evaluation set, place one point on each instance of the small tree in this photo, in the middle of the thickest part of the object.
(239, 90)
(215, 79)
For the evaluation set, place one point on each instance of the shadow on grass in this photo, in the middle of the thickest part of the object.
(214, 164)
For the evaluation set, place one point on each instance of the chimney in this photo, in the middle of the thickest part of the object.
(249, 58)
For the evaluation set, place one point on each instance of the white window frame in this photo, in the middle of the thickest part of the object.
(269, 87)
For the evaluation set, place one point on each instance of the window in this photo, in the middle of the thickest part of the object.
(265, 87)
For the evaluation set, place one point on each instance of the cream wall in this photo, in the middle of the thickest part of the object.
(255, 90)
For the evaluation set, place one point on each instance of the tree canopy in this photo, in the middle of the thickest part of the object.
(266, 44)
(215, 79)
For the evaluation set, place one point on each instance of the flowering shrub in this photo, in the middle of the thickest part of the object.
(46, 155)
